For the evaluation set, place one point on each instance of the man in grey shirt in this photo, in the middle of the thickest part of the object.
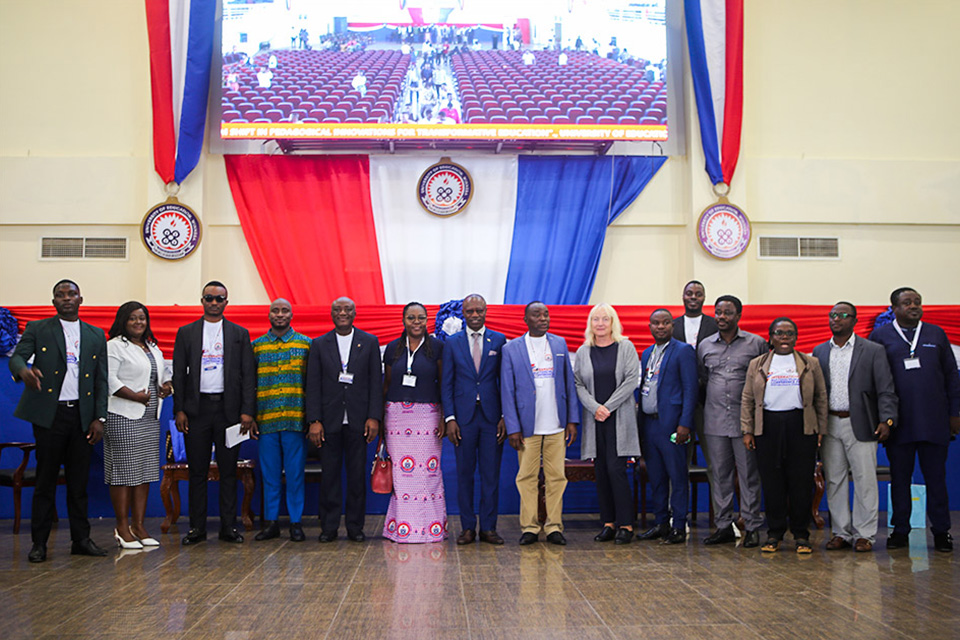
(723, 360)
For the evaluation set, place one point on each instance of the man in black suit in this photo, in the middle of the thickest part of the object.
(344, 408)
(693, 327)
(65, 398)
(863, 410)
(214, 386)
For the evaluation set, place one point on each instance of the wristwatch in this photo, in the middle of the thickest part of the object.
(890, 422)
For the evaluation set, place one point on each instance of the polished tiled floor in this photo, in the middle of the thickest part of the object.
(279, 589)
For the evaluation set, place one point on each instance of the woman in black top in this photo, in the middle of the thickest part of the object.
(414, 432)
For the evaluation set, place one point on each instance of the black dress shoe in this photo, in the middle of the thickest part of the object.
(38, 553)
(296, 532)
(356, 536)
(751, 539)
(491, 537)
(271, 531)
(676, 536)
(231, 535)
(624, 536)
(528, 538)
(557, 538)
(606, 535)
(898, 540)
(721, 536)
(193, 537)
(87, 548)
(943, 542)
(467, 536)
(653, 533)
(328, 537)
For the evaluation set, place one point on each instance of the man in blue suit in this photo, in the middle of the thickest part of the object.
(541, 412)
(470, 392)
(925, 377)
(668, 398)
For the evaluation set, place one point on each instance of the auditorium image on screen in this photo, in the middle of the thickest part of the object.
(444, 69)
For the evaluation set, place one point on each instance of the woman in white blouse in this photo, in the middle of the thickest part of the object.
(137, 381)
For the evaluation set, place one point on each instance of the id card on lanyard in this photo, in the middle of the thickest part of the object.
(410, 380)
(912, 361)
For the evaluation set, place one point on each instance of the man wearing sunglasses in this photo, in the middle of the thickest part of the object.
(214, 386)
(863, 410)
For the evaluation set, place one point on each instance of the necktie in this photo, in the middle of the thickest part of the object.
(476, 351)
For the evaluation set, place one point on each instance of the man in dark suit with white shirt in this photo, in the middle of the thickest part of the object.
(693, 326)
(65, 398)
(863, 410)
(344, 408)
(214, 386)
(470, 393)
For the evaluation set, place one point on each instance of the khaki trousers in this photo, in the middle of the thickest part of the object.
(551, 449)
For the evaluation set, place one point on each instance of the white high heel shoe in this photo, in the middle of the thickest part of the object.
(147, 542)
(123, 544)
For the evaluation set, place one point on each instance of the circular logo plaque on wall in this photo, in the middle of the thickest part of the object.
(171, 230)
(445, 189)
(723, 230)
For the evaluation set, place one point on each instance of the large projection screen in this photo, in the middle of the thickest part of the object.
(538, 70)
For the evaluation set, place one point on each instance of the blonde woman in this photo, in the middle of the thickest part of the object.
(606, 372)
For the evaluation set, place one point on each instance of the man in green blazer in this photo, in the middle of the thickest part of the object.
(65, 398)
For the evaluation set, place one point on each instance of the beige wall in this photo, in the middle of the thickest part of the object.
(849, 131)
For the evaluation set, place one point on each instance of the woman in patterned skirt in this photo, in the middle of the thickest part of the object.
(414, 431)
(137, 380)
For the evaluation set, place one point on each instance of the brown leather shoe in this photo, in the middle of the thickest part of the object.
(490, 537)
(863, 545)
(836, 543)
(468, 536)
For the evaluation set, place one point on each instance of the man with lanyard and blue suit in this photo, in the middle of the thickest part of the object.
(668, 398)
(541, 411)
(470, 392)
(925, 377)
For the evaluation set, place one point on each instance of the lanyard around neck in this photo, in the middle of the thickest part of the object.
(916, 336)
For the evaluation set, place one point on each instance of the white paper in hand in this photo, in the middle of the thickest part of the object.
(233, 437)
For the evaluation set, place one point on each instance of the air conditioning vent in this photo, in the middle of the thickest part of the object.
(83, 248)
(796, 248)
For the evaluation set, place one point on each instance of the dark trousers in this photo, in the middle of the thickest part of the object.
(610, 470)
(478, 444)
(345, 445)
(933, 464)
(666, 462)
(786, 459)
(207, 429)
(63, 443)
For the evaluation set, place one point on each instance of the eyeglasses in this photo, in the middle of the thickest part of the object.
(840, 315)
(781, 333)
(210, 298)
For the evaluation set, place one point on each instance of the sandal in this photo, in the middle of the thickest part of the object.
(803, 547)
(770, 546)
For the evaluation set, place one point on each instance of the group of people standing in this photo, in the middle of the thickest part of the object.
(760, 409)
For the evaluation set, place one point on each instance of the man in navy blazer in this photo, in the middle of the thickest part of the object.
(925, 377)
(541, 412)
(668, 398)
(863, 410)
(470, 392)
(344, 407)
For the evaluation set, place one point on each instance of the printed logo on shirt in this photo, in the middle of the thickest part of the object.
(72, 353)
(787, 378)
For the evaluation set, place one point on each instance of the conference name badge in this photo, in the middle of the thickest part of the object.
(445, 189)
(723, 230)
(171, 230)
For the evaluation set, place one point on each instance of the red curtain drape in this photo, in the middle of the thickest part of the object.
(309, 224)
(568, 322)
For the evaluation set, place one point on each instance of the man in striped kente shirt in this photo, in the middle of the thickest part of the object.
(281, 357)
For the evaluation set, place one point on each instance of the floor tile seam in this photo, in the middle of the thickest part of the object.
(356, 571)
(463, 593)
(602, 620)
(860, 616)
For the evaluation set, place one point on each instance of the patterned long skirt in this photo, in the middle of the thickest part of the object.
(418, 509)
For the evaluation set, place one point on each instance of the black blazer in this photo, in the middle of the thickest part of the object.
(708, 327)
(873, 398)
(239, 371)
(328, 398)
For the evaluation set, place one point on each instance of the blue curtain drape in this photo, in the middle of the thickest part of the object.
(564, 205)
